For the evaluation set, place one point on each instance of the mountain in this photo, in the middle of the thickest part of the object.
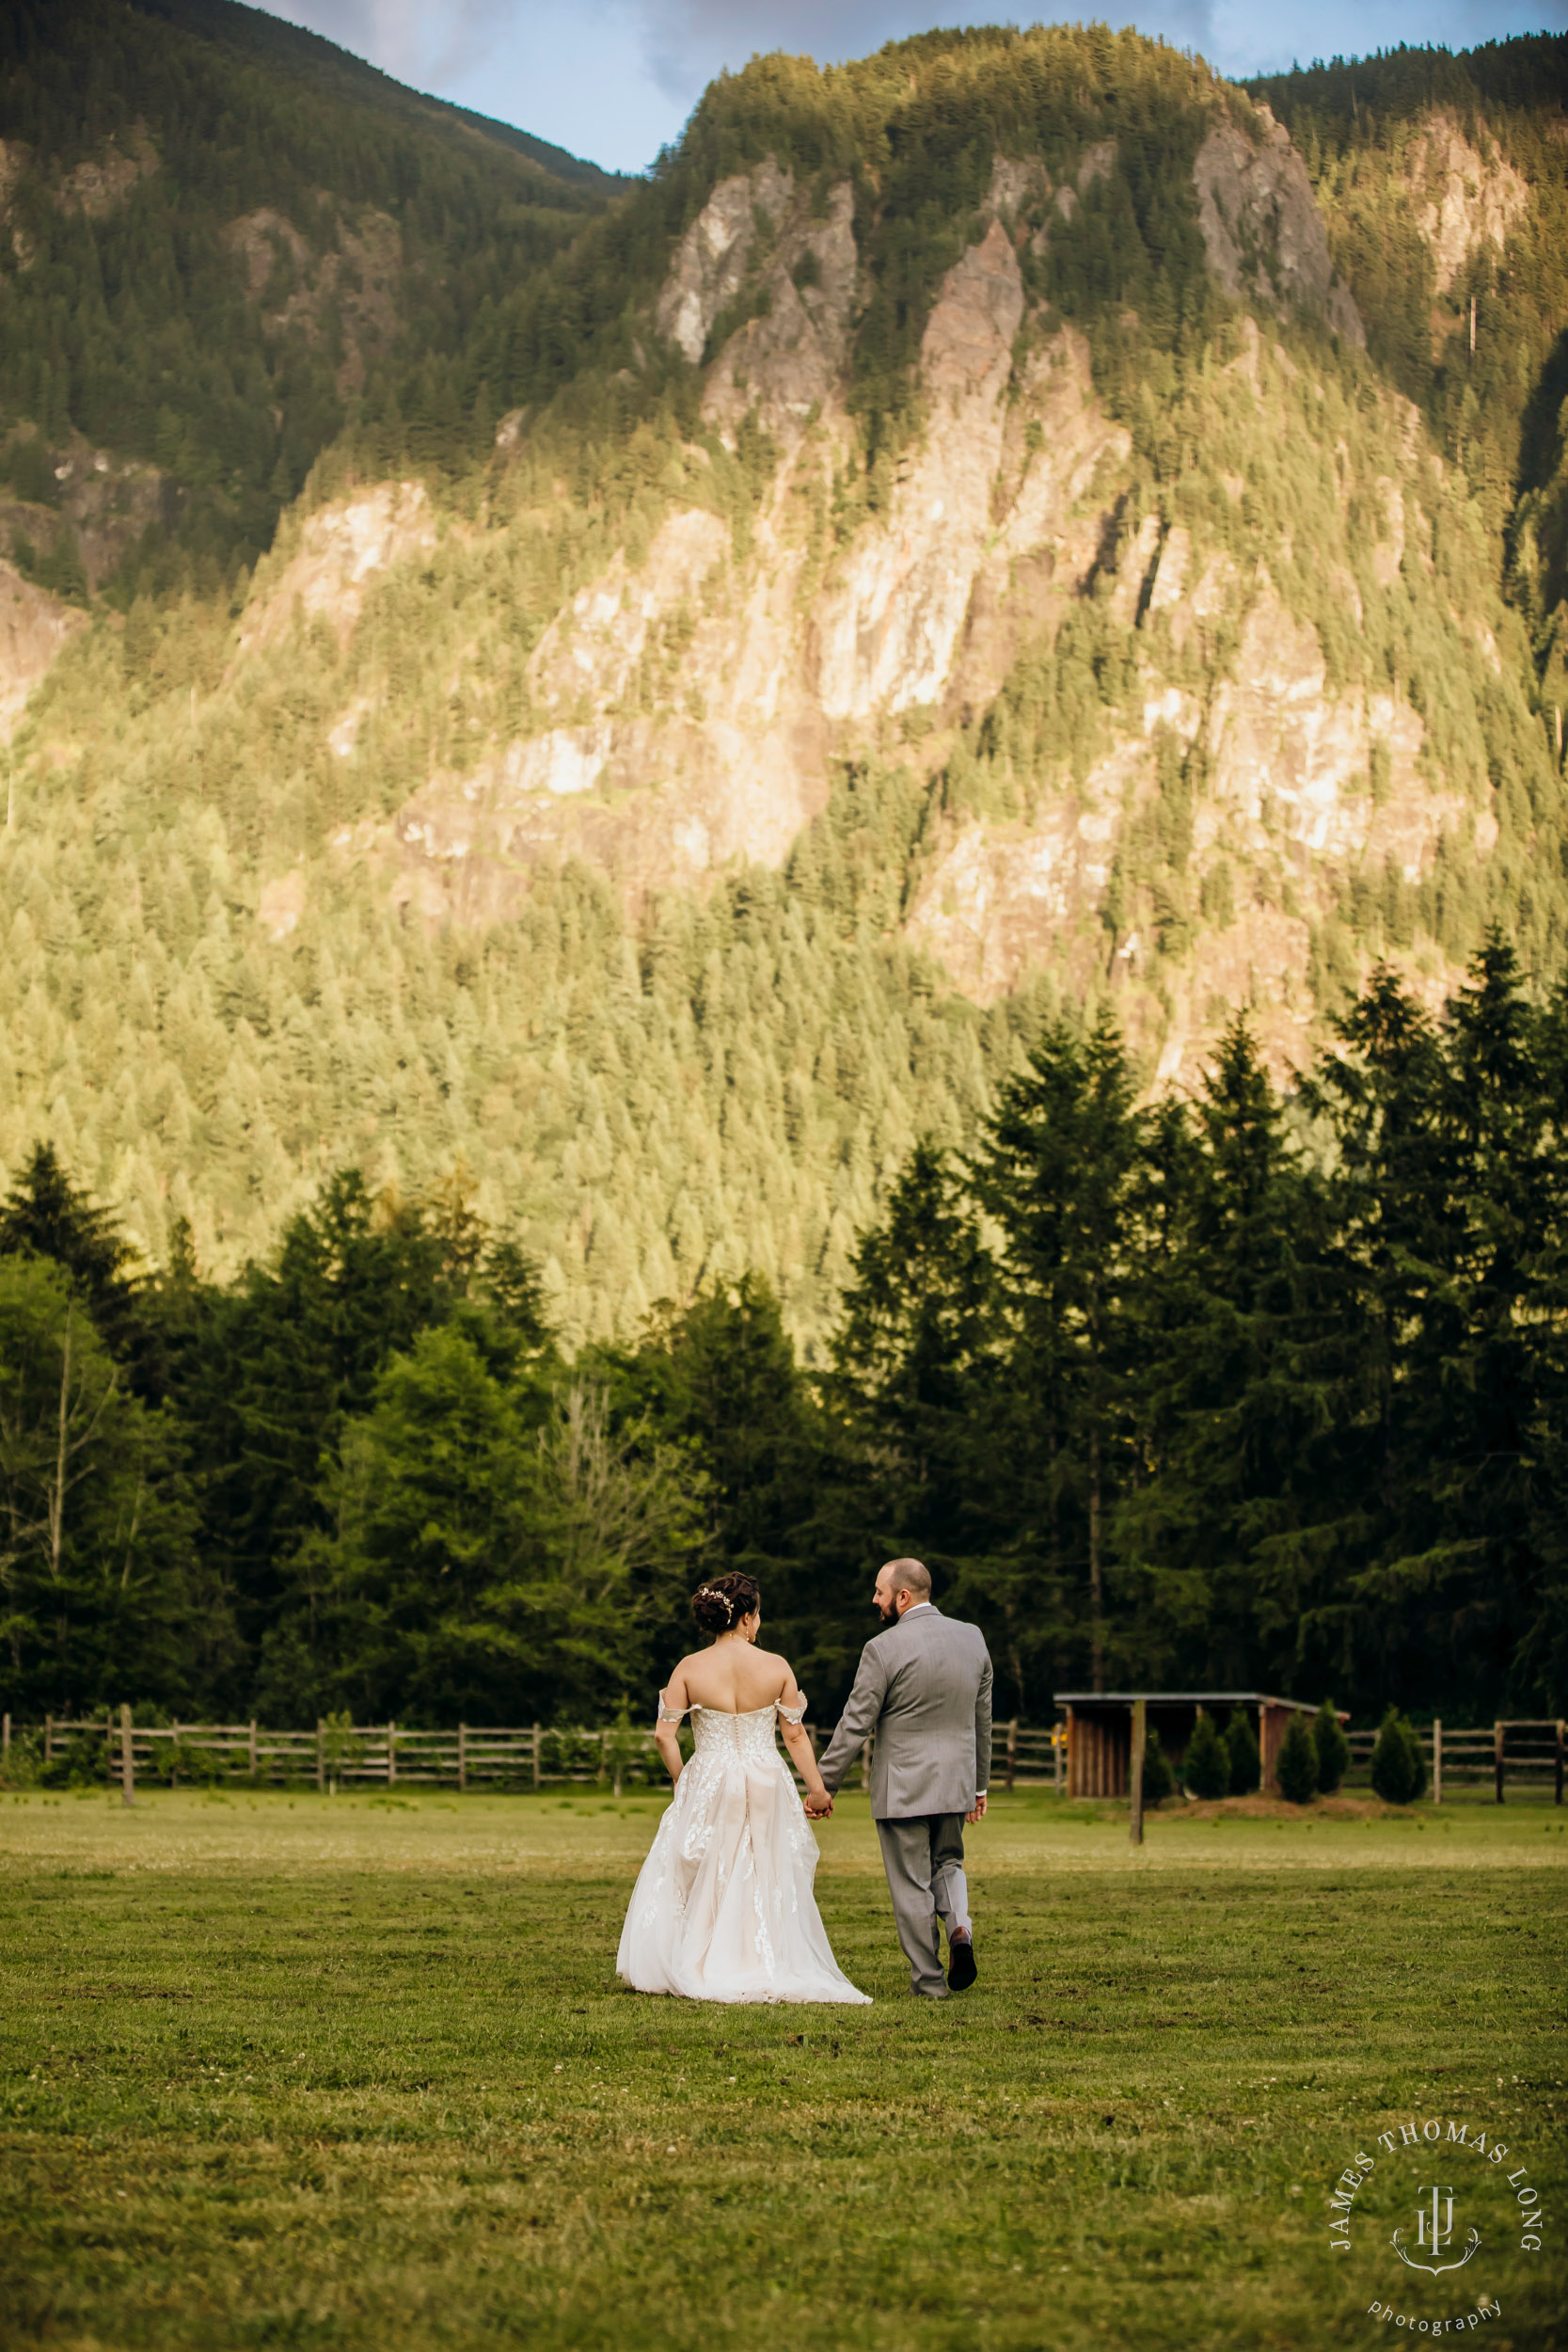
(220, 238)
(1014, 524)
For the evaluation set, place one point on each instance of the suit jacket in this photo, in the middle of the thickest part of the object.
(924, 1688)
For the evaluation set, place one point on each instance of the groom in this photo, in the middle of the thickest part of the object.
(924, 1688)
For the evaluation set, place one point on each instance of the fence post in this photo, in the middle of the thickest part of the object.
(253, 1747)
(321, 1754)
(462, 1757)
(127, 1760)
(5, 1741)
(1437, 1759)
(536, 1755)
(1560, 1729)
(392, 1756)
(1497, 1758)
(1136, 1769)
(1012, 1754)
(1058, 1742)
(48, 1739)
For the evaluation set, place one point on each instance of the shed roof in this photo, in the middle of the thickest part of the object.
(1180, 1698)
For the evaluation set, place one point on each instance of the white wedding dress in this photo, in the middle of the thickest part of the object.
(724, 1908)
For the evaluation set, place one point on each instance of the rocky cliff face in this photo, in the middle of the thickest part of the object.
(909, 586)
(690, 702)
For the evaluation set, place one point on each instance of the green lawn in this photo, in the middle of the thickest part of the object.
(358, 2074)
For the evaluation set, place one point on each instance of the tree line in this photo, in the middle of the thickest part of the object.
(1251, 1389)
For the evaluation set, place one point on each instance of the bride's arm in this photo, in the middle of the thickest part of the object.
(672, 1704)
(796, 1738)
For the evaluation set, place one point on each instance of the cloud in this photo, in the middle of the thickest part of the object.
(425, 45)
(614, 79)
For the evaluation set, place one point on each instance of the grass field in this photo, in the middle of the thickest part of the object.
(357, 2073)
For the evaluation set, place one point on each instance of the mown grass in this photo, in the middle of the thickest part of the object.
(358, 2074)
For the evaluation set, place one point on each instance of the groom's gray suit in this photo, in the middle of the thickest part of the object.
(924, 1688)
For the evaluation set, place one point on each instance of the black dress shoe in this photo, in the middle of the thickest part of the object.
(960, 1964)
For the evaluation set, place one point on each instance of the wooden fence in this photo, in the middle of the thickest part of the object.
(389, 1754)
(1527, 1750)
(1530, 1753)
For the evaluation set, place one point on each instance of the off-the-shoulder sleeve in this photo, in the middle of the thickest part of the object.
(669, 1714)
(794, 1714)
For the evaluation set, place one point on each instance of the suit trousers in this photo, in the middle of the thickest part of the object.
(924, 1858)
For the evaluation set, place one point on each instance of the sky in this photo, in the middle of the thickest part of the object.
(614, 80)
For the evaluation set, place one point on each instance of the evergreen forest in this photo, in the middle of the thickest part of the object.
(1241, 1391)
(518, 1090)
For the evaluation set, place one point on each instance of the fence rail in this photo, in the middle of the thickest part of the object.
(1530, 1753)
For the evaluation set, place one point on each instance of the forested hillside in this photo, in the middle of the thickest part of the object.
(218, 237)
(1168, 1393)
(972, 534)
(796, 843)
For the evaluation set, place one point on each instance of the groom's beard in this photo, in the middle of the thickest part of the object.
(888, 1615)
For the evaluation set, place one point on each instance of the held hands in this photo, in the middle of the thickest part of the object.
(819, 1804)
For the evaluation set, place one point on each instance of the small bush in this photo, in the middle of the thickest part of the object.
(1333, 1749)
(24, 1761)
(1247, 1765)
(1159, 1780)
(1295, 1767)
(1206, 1770)
(1399, 1768)
(340, 1749)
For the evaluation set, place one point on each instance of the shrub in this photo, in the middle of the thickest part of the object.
(1159, 1780)
(1295, 1767)
(621, 1748)
(1333, 1749)
(340, 1749)
(1399, 1768)
(1207, 1767)
(1247, 1765)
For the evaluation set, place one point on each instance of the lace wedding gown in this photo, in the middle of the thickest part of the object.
(724, 1908)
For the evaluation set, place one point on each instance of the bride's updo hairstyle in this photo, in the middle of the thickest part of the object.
(723, 1603)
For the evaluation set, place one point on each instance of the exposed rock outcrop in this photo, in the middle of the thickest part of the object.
(589, 656)
(688, 704)
(791, 361)
(710, 262)
(101, 184)
(35, 628)
(890, 627)
(1461, 200)
(341, 548)
(354, 281)
(1263, 230)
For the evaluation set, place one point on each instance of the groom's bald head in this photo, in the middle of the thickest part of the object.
(901, 1584)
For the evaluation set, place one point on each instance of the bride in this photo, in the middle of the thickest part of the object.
(723, 1909)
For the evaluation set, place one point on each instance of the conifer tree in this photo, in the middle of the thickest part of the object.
(1295, 1767)
(45, 1216)
(1206, 1767)
(1332, 1746)
(1247, 1765)
(1058, 1168)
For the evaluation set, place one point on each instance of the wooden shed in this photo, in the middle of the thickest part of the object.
(1100, 1731)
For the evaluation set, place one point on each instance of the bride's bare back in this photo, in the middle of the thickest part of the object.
(734, 1678)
